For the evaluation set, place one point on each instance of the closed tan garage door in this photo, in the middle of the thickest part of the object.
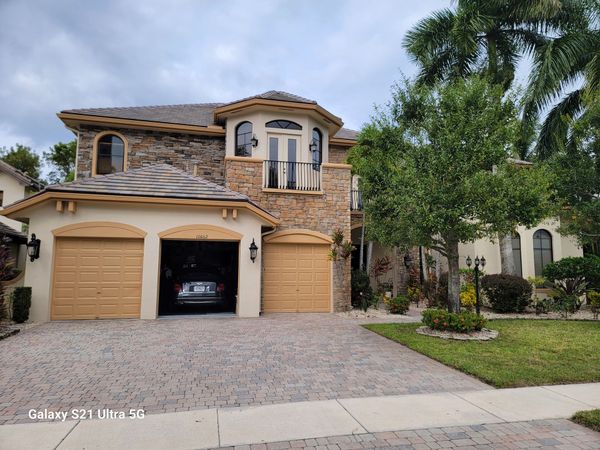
(296, 278)
(97, 278)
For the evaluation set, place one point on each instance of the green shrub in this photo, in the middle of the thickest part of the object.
(398, 304)
(565, 304)
(462, 322)
(361, 292)
(21, 302)
(571, 276)
(593, 298)
(541, 305)
(506, 293)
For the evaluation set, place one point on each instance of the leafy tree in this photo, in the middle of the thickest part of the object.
(22, 158)
(61, 158)
(434, 170)
(577, 180)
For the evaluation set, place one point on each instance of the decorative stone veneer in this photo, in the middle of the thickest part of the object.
(338, 155)
(146, 147)
(322, 212)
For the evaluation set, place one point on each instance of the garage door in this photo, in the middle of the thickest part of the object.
(97, 278)
(296, 278)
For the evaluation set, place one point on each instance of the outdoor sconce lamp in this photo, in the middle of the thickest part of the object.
(313, 147)
(33, 248)
(254, 140)
(253, 250)
(407, 260)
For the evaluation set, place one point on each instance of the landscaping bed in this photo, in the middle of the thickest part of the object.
(526, 352)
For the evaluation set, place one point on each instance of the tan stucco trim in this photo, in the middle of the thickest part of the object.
(342, 142)
(291, 191)
(297, 236)
(337, 166)
(32, 201)
(243, 159)
(95, 149)
(200, 232)
(71, 119)
(231, 108)
(99, 230)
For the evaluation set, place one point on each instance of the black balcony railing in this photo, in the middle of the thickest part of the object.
(297, 176)
(356, 202)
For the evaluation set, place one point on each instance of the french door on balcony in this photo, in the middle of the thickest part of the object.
(283, 155)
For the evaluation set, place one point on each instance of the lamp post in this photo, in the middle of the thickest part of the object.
(478, 262)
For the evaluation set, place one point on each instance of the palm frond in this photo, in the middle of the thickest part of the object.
(554, 132)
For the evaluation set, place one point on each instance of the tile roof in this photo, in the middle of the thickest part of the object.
(10, 231)
(346, 133)
(199, 114)
(160, 180)
(21, 176)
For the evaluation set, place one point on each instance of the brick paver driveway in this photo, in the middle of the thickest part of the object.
(182, 364)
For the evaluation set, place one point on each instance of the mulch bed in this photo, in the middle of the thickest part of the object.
(483, 335)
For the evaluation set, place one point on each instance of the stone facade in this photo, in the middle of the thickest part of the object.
(145, 147)
(338, 155)
(319, 212)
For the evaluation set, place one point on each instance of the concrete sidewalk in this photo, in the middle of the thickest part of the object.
(307, 420)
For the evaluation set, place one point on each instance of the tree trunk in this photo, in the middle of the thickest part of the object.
(453, 276)
(506, 255)
(361, 253)
(369, 254)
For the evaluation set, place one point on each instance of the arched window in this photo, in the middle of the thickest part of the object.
(285, 124)
(110, 154)
(243, 139)
(542, 250)
(516, 248)
(316, 148)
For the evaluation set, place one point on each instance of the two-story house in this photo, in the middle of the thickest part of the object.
(233, 199)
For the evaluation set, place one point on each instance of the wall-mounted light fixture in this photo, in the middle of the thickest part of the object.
(254, 140)
(253, 250)
(313, 147)
(33, 248)
(407, 260)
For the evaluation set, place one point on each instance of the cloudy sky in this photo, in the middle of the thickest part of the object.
(61, 54)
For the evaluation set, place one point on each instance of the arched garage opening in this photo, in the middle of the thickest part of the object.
(199, 270)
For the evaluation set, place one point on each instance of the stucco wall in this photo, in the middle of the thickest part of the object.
(146, 147)
(323, 212)
(562, 247)
(153, 220)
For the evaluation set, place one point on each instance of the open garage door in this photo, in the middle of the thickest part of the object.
(198, 277)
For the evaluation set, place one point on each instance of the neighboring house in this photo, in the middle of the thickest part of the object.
(162, 190)
(15, 186)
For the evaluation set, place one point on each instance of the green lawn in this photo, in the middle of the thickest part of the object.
(590, 419)
(526, 353)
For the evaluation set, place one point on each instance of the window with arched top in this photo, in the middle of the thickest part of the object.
(110, 154)
(516, 248)
(243, 139)
(542, 250)
(316, 148)
(284, 124)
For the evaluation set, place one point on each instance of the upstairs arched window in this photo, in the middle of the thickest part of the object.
(542, 250)
(110, 154)
(243, 139)
(284, 124)
(316, 148)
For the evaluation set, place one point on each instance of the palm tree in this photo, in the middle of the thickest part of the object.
(488, 37)
(567, 68)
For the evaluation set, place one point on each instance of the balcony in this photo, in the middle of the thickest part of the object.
(295, 176)
(356, 202)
